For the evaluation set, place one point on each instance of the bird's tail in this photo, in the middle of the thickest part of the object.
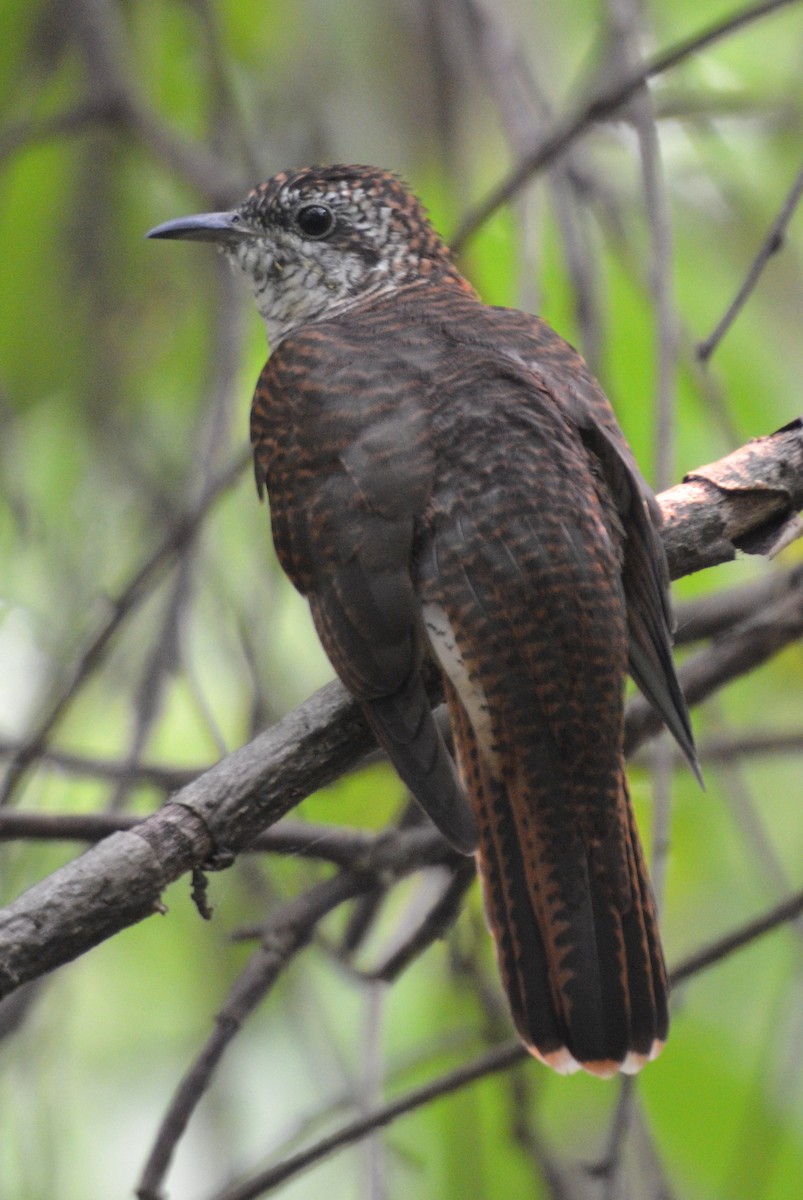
(573, 919)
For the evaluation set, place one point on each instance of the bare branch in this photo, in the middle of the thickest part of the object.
(135, 591)
(498, 1059)
(284, 934)
(735, 653)
(304, 839)
(747, 501)
(120, 881)
(110, 769)
(288, 931)
(606, 102)
(771, 245)
(99, 33)
(501, 1058)
(724, 748)
(709, 616)
(780, 914)
(440, 917)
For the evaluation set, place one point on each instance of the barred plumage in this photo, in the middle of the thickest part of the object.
(447, 478)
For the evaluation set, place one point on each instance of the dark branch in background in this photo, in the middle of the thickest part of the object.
(286, 934)
(114, 100)
(97, 28)
(603, 105)
(771, 245)
(709, 616)
(736, 653)
(523, 109)
(161, 662)
(501, 1058)
(139, 587)
(725, 748)
(752, 826)
(780, 914)
(625, 34)
(366, 908)
(336, 844)
(498, 1059)
(165, 778)
(282, 936)
(209, 436)
(745, 498)
(438, 920)
(330, 843)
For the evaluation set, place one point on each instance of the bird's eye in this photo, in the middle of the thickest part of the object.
(315, 220)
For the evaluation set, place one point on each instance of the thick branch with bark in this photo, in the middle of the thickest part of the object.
(747, 500)
(500, 1058)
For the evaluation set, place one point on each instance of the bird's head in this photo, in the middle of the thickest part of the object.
(322, 240)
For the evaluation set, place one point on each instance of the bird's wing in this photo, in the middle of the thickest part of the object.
(645, 579)
(520, 577)
(348, 471)
(556, 370)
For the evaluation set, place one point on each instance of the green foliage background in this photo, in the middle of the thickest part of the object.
(126, 370)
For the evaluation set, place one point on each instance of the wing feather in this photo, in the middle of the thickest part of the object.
(348, 473)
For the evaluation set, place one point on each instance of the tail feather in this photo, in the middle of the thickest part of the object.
(519, 946)
(576, 939)
(650, 987)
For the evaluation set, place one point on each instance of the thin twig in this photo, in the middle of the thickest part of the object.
(167, 779)
(304, 839)
(524, 109)
(219, 403)
(723, 947)
(437, 921)
(139, 586)
(624, 37)
(723, 748)
(498, 1059)
(714, 614)
(287, 933)
(736, 653)
(602, 105)
(525, 1133)
(99, 32)
(771, 245)
(609, 1166)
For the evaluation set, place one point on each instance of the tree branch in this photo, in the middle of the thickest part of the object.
(501, 1058)
(138, 588)
(771, 245)
(746, 500)
(736, 653)
(603, 105)
(288, 932)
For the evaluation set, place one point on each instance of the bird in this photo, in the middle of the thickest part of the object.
(448, 483)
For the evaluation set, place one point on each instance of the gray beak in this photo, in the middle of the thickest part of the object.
(205, 227)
